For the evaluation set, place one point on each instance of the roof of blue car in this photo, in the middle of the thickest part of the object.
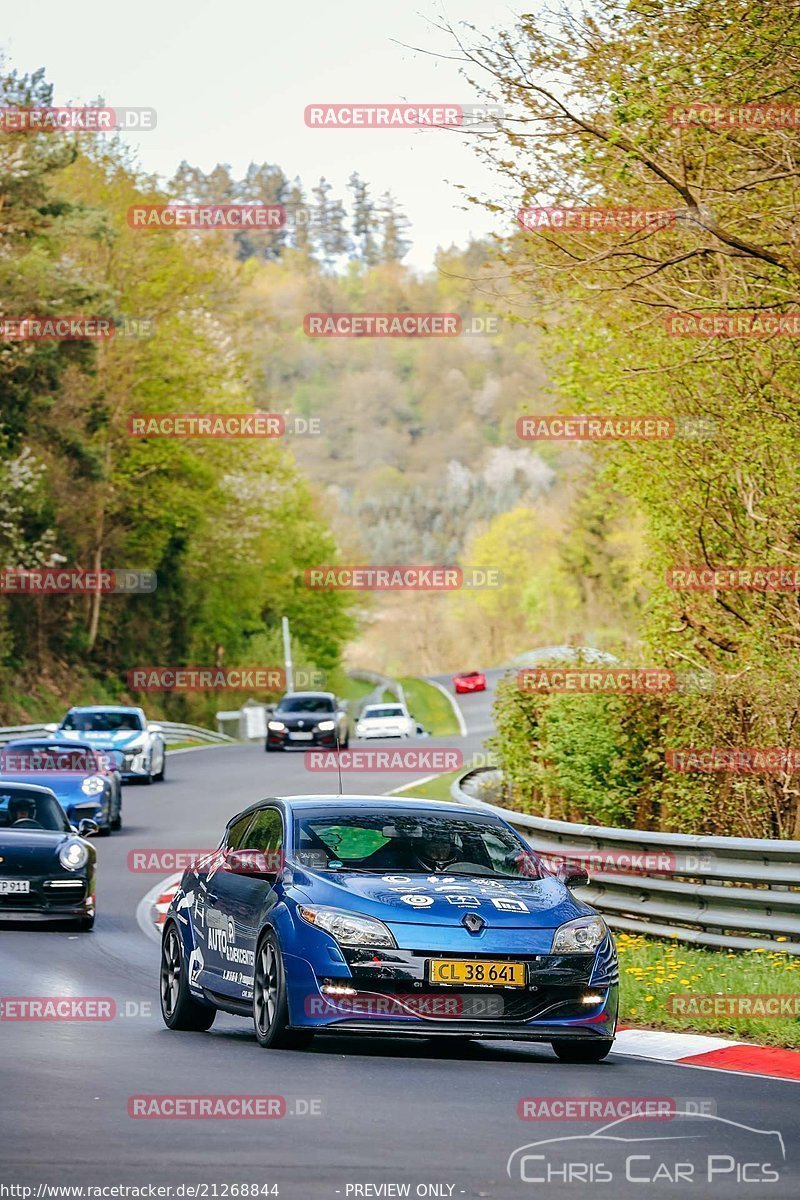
(382, 802)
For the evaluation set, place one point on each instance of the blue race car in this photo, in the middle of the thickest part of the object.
(85, 781)
(122, 729)
(365, 915)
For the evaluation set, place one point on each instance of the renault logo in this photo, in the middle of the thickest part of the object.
(472, 922)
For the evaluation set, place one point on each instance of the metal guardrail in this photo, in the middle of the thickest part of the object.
(174, 731)
(724, 892)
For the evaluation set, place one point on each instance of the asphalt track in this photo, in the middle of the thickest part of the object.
(360, 1114)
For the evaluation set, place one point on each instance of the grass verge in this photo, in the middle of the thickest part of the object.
(437, 788)
(433, 710)
(659, 977)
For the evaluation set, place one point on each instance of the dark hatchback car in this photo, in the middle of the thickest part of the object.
(308, 719)
(46, 866)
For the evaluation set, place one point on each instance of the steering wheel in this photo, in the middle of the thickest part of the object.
(27, 823)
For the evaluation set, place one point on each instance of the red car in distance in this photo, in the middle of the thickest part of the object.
(469, 681)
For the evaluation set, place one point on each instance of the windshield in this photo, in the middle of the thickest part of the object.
(389, 710)
(102, 722)
(31, 810)
(412, 842)
(299, 704)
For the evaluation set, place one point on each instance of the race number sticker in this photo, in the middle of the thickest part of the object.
(418, 901)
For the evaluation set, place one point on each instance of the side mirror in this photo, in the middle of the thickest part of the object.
(87, 827)
(572, 875)
(51, 727)
(251, 862)
(154, 728)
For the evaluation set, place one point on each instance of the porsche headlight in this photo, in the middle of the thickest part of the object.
(582, 936)
(324, 726)
(93, 786)
(276, 726)
(73, 856)
(349, 929)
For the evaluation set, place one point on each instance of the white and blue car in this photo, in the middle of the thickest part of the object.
(123, 729)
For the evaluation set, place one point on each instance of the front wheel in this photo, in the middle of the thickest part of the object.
(178, 1007)
(270, 1004)
(162, 774)
(583, 1052)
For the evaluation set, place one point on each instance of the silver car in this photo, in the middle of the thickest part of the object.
(124, 729)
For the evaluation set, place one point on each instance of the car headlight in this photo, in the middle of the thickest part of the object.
(276, 725)
(73, 856)
(350, 929)
(581, 936)
(93, 785)
(324, 726)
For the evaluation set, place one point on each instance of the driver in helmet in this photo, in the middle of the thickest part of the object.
(21, 808)
(436, 853)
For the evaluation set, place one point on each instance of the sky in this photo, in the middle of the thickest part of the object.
(230, 84)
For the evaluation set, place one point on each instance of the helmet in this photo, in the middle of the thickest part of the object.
(21, 808)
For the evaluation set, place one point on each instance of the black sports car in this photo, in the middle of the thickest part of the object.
(46, 866)
(308, 719)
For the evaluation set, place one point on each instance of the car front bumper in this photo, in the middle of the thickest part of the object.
(281, 741)
(391, 994)
(51, 898)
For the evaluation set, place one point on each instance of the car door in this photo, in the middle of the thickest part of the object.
(236, 903)
(207, 917)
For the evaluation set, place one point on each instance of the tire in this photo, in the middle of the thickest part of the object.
(104, 831)
(270, 1005)
(84, 924)
(162, 774)
(344, 745)
(148, 778)
(116, 824)
(178, 1007)
(583, 1052)
(269, 749)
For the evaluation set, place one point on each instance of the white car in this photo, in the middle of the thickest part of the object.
(125, 729)
(385, 721)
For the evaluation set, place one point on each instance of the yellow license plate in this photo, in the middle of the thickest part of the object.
(478, 972)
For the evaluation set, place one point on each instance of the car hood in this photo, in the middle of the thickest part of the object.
(117, 739)
(443, 899)
(24, 849)
(66, 787)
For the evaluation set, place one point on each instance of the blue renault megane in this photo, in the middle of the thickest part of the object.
(366, 915)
